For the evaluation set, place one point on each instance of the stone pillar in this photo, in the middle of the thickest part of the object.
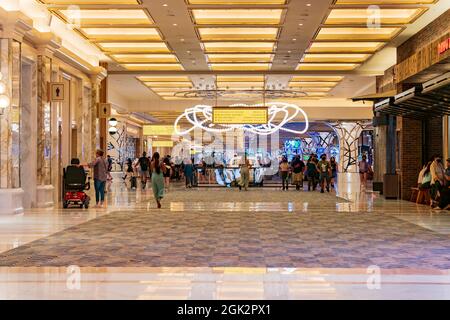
(96, 80)
(10, 117)
(28, 147)
(11, 37)
(47, 127)
(86, 146)
(103, 122)
(384, 149)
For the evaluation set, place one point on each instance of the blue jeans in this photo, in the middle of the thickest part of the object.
(99, 190)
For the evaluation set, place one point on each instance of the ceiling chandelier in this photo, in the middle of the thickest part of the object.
(238, 94)
(280, 114)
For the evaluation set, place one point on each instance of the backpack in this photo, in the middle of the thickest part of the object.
(143, 162)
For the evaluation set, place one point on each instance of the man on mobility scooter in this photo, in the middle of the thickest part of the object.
(74, 184)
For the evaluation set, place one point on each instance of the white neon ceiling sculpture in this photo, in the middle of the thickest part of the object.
(200, 116)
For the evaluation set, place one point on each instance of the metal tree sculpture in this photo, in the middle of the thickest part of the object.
(349, 133)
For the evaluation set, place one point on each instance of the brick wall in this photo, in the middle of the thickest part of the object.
(410, 155)
(412, 151)
(435, 139)
(427, 35)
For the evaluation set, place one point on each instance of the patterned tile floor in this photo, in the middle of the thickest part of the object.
(220, 244)
(251, 238)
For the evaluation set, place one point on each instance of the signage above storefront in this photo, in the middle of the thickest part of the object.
(444, 46)
(240, 115)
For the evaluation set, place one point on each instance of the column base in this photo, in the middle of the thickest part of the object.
(11, 201)
(45, 196)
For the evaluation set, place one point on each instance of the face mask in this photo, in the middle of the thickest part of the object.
(323, 158)
(438, 160)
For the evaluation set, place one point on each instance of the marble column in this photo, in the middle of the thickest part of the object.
(44, 149)
(95, 137)
(79, 118)
(56, 140)
(46, 113)
(9, 120)
(86, 123)
(10, 68)
(28, 147)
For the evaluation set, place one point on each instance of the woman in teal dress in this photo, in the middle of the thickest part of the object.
(158, 168)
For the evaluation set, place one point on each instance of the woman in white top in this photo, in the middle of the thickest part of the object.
(425, 177)
(437, 176)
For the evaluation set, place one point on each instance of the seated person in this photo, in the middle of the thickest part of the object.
(425, 177)
(444, 199)
(74, 175)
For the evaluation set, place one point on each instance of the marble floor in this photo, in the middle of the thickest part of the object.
(226, 244)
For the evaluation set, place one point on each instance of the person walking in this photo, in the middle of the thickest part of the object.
(245, 174)
(334, 169)
(325, 173)
(128, 169)
(311, 173)
(189, 172)
(157, 168)
(298, 167)
(110, 164)
(284, 172)
(100, 166)
(364, 169)
(168, 172)
(143, 169)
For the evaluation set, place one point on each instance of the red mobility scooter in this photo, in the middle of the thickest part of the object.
(74, 185)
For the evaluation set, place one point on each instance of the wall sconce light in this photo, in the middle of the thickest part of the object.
(113, 122)
(112, 126)
(112, 130)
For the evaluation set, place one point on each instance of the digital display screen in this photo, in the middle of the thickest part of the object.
(156, 144)
(158, 130)
(240, 115)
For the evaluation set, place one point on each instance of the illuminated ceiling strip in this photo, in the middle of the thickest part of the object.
(237, 2)
(317, 78)
(237, 16)
(372, 2)
(121, 34)
(163, 78)
(143, 58)
(313, 84)
(239, 47)
(92, 2)
(344, 57)
(134, 47)
(112, 17)
(153, 66)
(240, 66)
(357, 34)
(345, 47)
(327, 66)
(231, 58)
(362, 16)
(240, 34)
(231, 78)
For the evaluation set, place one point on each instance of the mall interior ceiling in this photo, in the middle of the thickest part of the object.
(183, 52)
